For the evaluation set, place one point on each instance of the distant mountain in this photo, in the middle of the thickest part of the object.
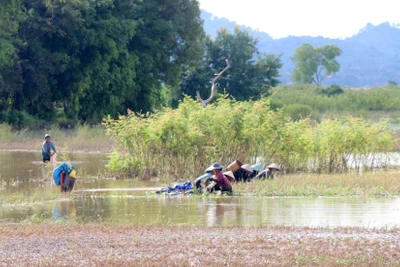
(371, 57)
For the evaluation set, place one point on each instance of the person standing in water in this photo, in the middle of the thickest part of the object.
(48, 148)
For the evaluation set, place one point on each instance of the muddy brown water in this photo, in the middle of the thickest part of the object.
(97, 199)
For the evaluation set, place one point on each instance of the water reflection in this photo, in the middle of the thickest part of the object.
(224, 211)
(95, 199)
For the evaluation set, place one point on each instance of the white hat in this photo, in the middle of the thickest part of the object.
(230, 174)
(274, 166)
(247, 167)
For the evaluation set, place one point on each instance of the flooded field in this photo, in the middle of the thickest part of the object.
(97, 199)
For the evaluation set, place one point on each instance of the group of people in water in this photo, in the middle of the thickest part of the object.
(215, 179)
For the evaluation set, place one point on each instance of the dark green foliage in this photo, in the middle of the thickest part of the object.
(252, 73)
(332, 90)
(83, 59)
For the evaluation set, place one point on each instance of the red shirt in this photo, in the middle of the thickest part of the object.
(222, 181)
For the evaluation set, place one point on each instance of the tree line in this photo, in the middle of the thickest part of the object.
(79, 60)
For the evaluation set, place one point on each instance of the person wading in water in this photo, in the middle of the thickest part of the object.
(48, 148)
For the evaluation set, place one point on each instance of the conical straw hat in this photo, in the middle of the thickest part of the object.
(274, 166)
(247, 167)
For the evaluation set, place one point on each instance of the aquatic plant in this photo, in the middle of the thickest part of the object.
(182, 142)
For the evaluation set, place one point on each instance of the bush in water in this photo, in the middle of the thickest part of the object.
(182, 142)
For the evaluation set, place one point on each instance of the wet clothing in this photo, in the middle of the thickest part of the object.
(267, 173)
(239, 175)
(198, 181)
(61, 177)
(46, 150)
(67, 183)
(187, 186)
(222, 182)
(248, 176)
(62, 168)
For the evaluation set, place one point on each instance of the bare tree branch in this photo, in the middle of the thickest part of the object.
(205, 102)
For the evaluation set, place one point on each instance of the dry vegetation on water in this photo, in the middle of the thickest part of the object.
(82, 138)
(63, 244)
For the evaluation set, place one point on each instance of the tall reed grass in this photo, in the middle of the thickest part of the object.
(182, 142)
(83, 138)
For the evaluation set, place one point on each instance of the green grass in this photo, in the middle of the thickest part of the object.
(367, 184)
(80, 139)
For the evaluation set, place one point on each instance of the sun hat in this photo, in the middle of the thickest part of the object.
(47, 135)
(247, 167)
(209, 169)
(257, 167)
(230, 176)
(274, 166)
(215, 166)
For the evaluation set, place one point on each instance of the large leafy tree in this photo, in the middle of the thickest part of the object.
(314, 64)
(11, 15)
(250, 76)
(91, 58)
(169, 36)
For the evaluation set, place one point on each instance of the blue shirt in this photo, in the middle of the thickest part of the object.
(46, 147)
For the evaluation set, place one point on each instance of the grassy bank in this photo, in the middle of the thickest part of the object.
(350, 184)
(80, 139)
(64, 244)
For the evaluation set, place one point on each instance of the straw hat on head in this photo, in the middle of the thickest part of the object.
(247, 167)
(230, 176)
(274, 166)
(215, 166)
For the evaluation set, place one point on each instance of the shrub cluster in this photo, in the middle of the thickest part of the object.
(182, 142)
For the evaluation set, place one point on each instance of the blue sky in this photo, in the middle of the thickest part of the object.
(280, 18)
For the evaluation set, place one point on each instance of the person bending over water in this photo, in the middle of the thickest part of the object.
(222, 182)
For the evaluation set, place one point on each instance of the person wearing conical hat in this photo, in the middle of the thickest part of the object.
(248, 172)
(230, 176)
(223, 183)
(268, 172)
